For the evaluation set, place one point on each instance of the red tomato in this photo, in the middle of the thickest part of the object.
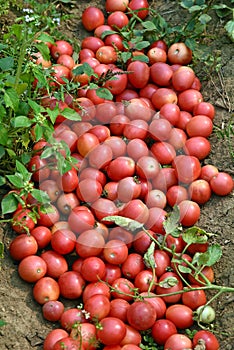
(175, 194)
(115, 40)
(71, 284)
(140, 7)
(197, 146)
(67, 343)
(172, 299)
(128, 188)
(207, 271)
(70, 317)
(119, 308)
(187, 168)
(92, 17)
(32, 268)
(189, 212)
(178, 342)
(117, 145)
(141, 242)
(116, 5)
(81, 219)
(162, 330)
(182, 78)
(180, 315)
(136, 129)
(117, 19)
(115, 251)
(89, 243)
(188, 99)
(52, 310)
(159, 129)
(68, 181)
(86, 336)
(39, 168)
(121, 167)
(155, 198)
(179, 53)
(112, 273)
(141, 315)
(164, 152)
(156, 218)
(66, 202)
(171, 112)
(156, 54)
(46, 289)
(211, 342)
(138, 109)
(48, 215)
(98, 306)
(145, 281)
(161, 73)
(23, 221)
(136, 210)
(132, 337)
(93, 269)
(103, 207)
(43, 235)
(199, 191)
(106, 111)
(22, 246)
(63, 241)
(162, 262)
(106, 54)
(165, 179)
(199, 125)
(61, 74)
(147, 167)
(123, 288)
(52, 338)
(51, 188)
(222, 184)
(204, 108)
(94, 174)
(86, 142)
(91, 42)
(194, 298)
(66, 61)
(177, 138)
(139, 73)
(208, 171)
(157, 302)
(56, 263)
(132, 265)
(61, 47)
(94, 288)
(100, 156)
(112, 331)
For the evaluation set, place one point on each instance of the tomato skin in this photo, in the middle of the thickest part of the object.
(175, 194)
(120, 167)
(128, 188)
(22, 246)
(199, 125)
(132, 265)
(46, 289)
(162, 96)
(119, 308)
(189, 212)
(71, 316)
(91, 42)
(178, 342)
(22, 221)
(53, 310)
(136, 210)
(162, 261)
(222, 184)
(180, 315)
(81, 220)
(67, 343)
(132, 337)
(147, 167)
(194, 298)
(139, 73)
(143, 281)
(106, 54)
(123, 289)
(161, 74)
(211, 342)
(43, 235)
(116, 5)
(162, 330)
(98, 306)
(61, 47)
(135, 5)
(137, 148)
(52, 337)
(93, 269)
(89, 243)
(63, 241)
(97, 18)
(117, 19)
(141, 315)
(112, 331)
(32, 268)
(204, 108)
(199, 191)
(172, 299)
(115, 251)
(179, 53)
(103, 207)
(188, 99)
(155, 220)
(159, 129)
(71, 284)
(197, 146)
(187, 168)
(56, 263)
(48, 215)
(94, 288)
(164, 152)
(66, 202)
(208, 171)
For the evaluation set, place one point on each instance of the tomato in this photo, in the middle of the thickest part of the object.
(97, 18)
(22, 246)
(165, 179)
(128, 188)
(81, 219)
(48, 215)
(222, 184)
(61, 47)
(115, 251)
(135, 210)
(145, 281)
(183, 119)
(121, 167)
(132, 265)
(112, 331)
(94, 288)
(86, 109)
(66, 202)
(60, 74)
(103, 207)
(93, 269)
(199, 191)
(106, 54)
(164, 152)
(139, 73)
(183, 78)
(175, 194)
(52, 310)
(89, 243)
(70, 317)
(117, 145)
(155, 220)
(194, 298)
(92, 173)
(110, 190)
(180, 315)
(162, 329)
(66, 60)
(106, 111)
(187, 168)
(122, 288)
(51, 188)
(161, 74)
(68, 181)
(197, 146)
(98, 306)
(136, 108)
(208, 171)
(141, 315)
(32, 268)
(46, 289)
(115, 40)
(63, 241)
(171, 112)
(116, 5)
(136, 129)
(178, 342)
(132, 337)
(189, 212)
(130, 347)
(199, 125)
(99, 31)
(162, 262)
(71, 284)
(204, 108)
(86, 142)
(156, 54)
(121, 234)
(117, 19)
(208, 273)
(119, 308)
(67, 343)
(155, 198)
(39, 168)
(70, 138)
(171, 299)
(52, 337)
(179, 53)
(100, 156)
(140, 7)
(56, 263)
(210, 340)
(91, 42)
(23, 221)
(43, 235)
(177, 138)
(147, 167)
(112, 273)
(86, 336)
(159, 129)
(157, 302)
(189, 98)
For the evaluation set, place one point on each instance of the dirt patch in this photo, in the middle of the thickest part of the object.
(26, 328)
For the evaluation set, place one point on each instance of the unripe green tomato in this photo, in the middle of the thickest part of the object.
(206, 314)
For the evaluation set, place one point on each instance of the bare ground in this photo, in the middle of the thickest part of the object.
(26, 328)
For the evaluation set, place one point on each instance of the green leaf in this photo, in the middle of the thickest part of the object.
(148, 25)
(2, 151)
(184, 269)
(125, 56)
(3, 136)
(229, 27)
(204, 18)
(45, 38)
(26, 175)
(9, 204)
(40, 196)
(2, 323)
(142, 58)
(36, 107)
(71, 114)
(21, 122)
(168, 282)
(2, 180)
(11, 99)
(108, 32)
(6, 63)
(149, 256)
(171, 224)
(142, 45)
(211, 256)
(122, 221)
(44, 50)
(38, 132)
(187, 3)
(195, 235)
(16, 180)
(104, 93)
(48, 152)
(21, 88)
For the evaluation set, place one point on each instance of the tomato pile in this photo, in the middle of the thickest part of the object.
(138, 155)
